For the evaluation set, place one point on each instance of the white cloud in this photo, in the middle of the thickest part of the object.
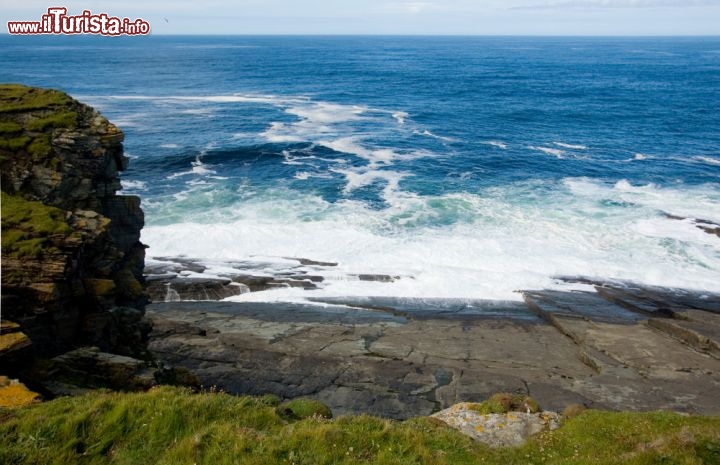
(410, 7)
(602, 4)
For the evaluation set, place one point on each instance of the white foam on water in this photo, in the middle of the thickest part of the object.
(570, 146)
(357, 179)
(198, 111)
(688, 202)
(169, 146)
(375, 156)
(214, 46)
(344, 128)
(198, 168)
(549, 150)
(498, 241)
(425, 132)
(653, 52)
(280, 132)
(233, 98)
(327, 113)
(291, 160)
(242, 135)
(377, 168)
(298, 160)
(496, 143)
(692, 202)
(128, 184)
(684, 231)
(401, 116)
(709, 160)
(639, 156)
(352, 146)
(125, 122)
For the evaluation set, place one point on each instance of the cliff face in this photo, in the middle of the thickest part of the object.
(72, 261)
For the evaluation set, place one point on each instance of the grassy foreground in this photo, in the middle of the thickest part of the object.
(173, 426)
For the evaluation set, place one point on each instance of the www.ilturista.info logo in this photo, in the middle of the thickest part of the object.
(57, 21)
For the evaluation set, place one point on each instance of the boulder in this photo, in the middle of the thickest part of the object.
(89, 367)
(15, 346)
(497, 429)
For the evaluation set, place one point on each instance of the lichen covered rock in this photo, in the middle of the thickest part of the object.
(497, 429)
(72, 259)
(14, 394)
(15, 346)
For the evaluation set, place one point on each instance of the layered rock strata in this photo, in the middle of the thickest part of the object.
(622, 346)
(72, 261)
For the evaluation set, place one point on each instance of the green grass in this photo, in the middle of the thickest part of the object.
(65, 119)
(173, 426)
(300, 409)
(14, 143)
(16, 97)
(9, 127)
(28, 225)
(504, 402)
(26, 117)
(40, 146)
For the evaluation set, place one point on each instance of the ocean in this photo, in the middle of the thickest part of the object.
(467, 167)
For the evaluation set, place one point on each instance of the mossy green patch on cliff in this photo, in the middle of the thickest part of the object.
(27, 225)
(14, 143)
(65, 119)
(171, 425)
(128, 285)
(9, 127)
(40, 146)
(17, 97)
(27, 116)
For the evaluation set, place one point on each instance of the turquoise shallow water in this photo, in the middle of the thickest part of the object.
(470, 166)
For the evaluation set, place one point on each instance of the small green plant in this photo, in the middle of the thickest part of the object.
(299, 409)
(270, 400)
(573, 410)
(505, 402)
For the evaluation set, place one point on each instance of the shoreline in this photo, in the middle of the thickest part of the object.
(621, 347)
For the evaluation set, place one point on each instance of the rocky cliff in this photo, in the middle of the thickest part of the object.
(72, 261)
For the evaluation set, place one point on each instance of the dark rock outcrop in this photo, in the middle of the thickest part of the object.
(72, 261)
(176, 279)
(630, 347)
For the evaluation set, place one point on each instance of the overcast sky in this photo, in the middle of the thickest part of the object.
(489, 17)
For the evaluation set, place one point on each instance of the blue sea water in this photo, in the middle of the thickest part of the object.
(468, 166)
